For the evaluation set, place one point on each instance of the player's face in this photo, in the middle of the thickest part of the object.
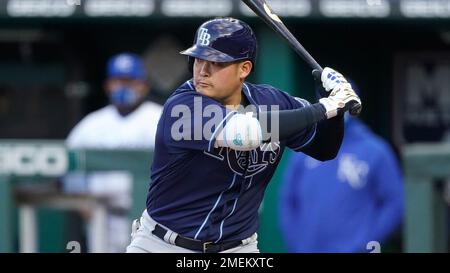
(221, 81)
(138, 86)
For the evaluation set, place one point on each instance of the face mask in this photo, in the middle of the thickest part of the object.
(124, 96)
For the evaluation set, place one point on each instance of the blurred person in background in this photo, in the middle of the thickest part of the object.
(128, 122)
(343, 204)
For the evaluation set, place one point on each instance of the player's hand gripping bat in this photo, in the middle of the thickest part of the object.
(265, 12)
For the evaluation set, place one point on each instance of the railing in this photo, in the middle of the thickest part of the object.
(426, 167)
(38, 162)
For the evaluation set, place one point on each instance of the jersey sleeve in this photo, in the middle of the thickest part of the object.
(192, 121)
(304, 137)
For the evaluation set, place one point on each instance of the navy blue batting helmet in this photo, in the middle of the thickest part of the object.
(223, 40)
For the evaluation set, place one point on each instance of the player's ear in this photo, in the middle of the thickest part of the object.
(107, 86)
(144, 87)
(245, 68)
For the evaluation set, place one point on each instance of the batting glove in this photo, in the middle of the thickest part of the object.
(342, 93)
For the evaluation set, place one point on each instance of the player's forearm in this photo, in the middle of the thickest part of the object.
(243, 132)
(290, 122)
(328, 139)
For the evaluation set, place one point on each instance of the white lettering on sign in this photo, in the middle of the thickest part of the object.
(39, 8)
(28, 160)
(425, 8)
(136, 8)
(355, 8)
(73, 2)
(201, 8)
(283, 8)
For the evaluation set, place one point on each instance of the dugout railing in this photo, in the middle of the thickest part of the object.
(426, 168)
(43, 163)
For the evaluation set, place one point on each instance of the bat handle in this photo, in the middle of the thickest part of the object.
(317, 74)
(355, 107)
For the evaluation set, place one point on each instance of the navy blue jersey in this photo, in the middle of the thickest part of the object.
(208, 193)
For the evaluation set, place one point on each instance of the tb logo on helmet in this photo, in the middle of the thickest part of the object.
(204, 37)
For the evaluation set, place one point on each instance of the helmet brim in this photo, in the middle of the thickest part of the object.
(208, 54)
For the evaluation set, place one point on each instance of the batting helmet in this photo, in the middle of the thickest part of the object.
(223, 40)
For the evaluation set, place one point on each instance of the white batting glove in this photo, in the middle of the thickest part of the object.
(342, 93)
(332, 79)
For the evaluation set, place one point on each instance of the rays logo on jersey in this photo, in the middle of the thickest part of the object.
(249, 163)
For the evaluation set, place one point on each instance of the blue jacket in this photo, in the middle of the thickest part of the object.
(342, 204)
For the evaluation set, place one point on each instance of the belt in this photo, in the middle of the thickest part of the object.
(196, 245)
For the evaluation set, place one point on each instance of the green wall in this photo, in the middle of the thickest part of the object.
(275, 66)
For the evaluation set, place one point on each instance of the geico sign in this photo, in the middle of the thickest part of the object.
(26, 160)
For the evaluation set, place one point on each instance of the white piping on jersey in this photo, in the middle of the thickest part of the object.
(219, 157)
(250, 183)
(214, 135)
(225, 137)
(214, 207)
(302, 101)
(190, 85)
(315, 125)
(309, 140)
(232, 211)
(248, 90)
(221, 224)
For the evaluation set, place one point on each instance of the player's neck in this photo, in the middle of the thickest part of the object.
(234, 101)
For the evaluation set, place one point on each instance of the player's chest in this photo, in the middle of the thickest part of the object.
(247, 163)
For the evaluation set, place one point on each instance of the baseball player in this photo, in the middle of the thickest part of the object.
(128, 122)
(209, 174)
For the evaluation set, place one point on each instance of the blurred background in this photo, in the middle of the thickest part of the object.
(53, 56)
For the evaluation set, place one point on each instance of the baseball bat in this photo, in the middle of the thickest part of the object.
(265, 12)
